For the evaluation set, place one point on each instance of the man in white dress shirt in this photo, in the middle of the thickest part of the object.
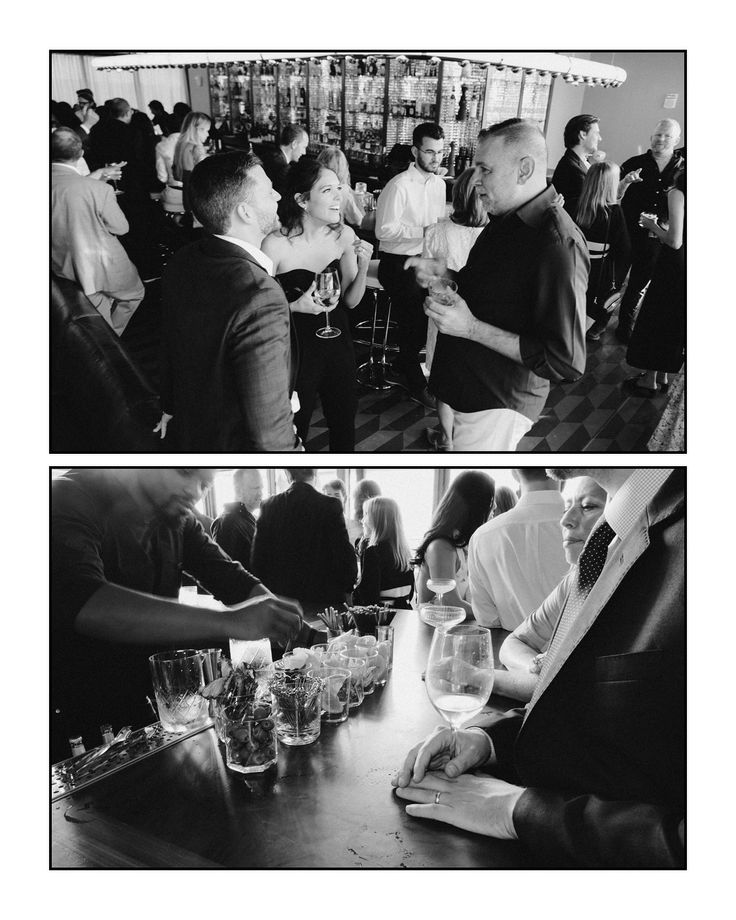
(516, 559)
(411, 202)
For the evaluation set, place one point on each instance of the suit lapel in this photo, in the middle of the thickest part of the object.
(620, 560)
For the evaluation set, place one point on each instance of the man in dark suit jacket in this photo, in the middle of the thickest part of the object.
(292, 146)
(225, 333)
(593, 772)
(235, 528)
(301, 545)
(582, 136)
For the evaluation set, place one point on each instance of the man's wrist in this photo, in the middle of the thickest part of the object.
(490, 758)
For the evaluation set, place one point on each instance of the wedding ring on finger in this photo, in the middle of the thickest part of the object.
(437, 798)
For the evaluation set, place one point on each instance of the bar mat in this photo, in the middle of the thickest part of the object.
(65, 779)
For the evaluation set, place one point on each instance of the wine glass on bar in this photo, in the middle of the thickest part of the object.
(327, 293)
(459, 675)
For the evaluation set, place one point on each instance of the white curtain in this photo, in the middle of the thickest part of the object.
(70, 72)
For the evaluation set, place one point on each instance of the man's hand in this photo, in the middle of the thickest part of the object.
(451, 319)
(435, 753)
(163, 424)
(632, 177)
(481, 804)
(266, 617)
(426, 269)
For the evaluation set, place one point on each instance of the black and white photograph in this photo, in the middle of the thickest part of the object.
(394, 251)
(275, 648)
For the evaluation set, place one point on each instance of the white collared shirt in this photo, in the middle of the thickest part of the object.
(628, 504)
(261, 258)
(69, 166)
(409, 203)
(516, 559)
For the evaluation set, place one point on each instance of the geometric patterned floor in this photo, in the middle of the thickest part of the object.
(592, 414)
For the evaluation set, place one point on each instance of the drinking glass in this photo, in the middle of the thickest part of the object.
(296, 707)
(335, 699)
(356, 666)
(247, 729)
(178, 679)
(327, 293)
(441, 586)
(114, 182)
(385, 636)
(442, 290)
(459, 676)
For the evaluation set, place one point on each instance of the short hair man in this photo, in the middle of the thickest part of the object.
(582, 136)
(86, 222)
(645, 180)
(517, 558)
(234, 529)
(519, 319)
(592, 772)
(225, 332)
(120, 539)
(293, 143)
(411, 201)
(301, 546)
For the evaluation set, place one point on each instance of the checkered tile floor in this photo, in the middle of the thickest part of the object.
(593, 414)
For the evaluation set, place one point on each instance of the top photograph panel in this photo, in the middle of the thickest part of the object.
(338, 251)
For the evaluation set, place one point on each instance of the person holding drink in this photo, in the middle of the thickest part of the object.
(320, 263)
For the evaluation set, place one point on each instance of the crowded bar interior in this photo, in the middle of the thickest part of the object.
(470, 251)
(383, 668)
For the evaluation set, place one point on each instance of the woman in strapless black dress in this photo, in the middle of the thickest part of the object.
(312, 239)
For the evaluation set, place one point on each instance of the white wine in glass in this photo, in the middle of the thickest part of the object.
(459, 676)
(327, 293)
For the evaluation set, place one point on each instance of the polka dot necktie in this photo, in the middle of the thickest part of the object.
(590, 566)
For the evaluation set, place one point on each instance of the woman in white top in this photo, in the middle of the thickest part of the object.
(464, 507)
(452, 241)
(523, 651)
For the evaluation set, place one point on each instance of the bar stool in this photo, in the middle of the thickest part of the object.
(372, 373)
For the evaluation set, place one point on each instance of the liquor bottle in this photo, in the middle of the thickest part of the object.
(451, 159)
(462, 111)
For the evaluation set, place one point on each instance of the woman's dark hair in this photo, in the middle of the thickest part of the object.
(155, 106)
(464, 507)
(301, 177)
(64, 115)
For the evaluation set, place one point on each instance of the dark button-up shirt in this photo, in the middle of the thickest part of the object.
(99, 536)
(527, 273)
(233, 531)
(649, 195)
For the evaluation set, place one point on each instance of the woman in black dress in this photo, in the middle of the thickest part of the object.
(657, 342)
(386, 575)
(312, 239)
(602, 221)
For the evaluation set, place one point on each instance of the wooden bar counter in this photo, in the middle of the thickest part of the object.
(327, 805)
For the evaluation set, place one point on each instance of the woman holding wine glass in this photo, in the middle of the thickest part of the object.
(319, 259)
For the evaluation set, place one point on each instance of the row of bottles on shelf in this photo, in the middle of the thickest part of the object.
(413, 108)
(368, 67)
(458, 159)
(415, 67)
(294, 95)
(462, 102)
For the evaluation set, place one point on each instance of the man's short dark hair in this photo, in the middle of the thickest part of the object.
(291, 133)
(533, 474)
(217, 185)
(520, 133)
(301, 473)
(117, 108)
(66, 146)
(577, 124)
(427, 129)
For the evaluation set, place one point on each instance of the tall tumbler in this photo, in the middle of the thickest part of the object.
(178, 680)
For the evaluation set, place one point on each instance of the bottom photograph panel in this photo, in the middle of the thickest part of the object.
(367, 668)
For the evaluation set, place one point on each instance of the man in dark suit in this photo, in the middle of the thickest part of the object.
(225, 333)
(292, 146)
(582, 136)
(593, 772)
(301, 545)
(235, 528)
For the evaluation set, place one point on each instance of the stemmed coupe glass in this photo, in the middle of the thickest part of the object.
(459, 675)
(327, 294)
(436, 613)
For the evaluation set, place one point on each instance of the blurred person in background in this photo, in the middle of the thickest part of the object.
(505, 500)
(443, 554)
(333, 158)
(234, 529)
(386, 576)
(362, 491)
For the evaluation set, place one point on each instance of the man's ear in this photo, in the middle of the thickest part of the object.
(526, 169)
(243, 212)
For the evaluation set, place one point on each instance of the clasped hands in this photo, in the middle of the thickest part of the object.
(482, 804)
(453, 318)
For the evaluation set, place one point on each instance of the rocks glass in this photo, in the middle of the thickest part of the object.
(178, 679)
(385, 637)
(335, 701)
(296, 701)
(357, 668)
(246, 726)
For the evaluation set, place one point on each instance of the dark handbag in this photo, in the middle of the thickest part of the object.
(611, 300)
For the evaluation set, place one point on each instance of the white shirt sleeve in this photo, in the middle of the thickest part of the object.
(390, 226)
(537, 629)
(481, 592)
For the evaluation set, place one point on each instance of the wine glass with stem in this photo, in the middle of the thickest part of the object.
(327, 293)
(459, 675)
